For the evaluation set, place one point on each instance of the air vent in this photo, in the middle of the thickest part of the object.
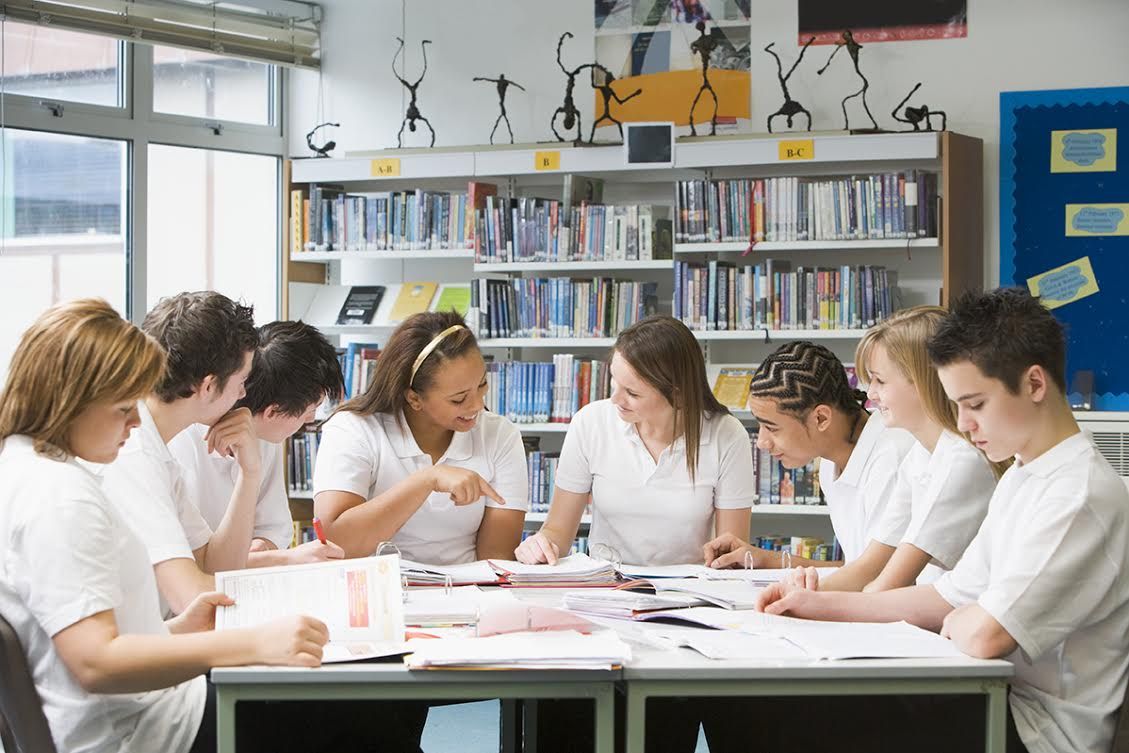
(1115, 446)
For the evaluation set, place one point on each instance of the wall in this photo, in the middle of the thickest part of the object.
(1034, 44)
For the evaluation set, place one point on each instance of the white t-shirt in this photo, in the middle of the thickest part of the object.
(1051, 565)
(939, 501)
(209, 481)
(651, 513)
(66, 554)
(368, 455)
(857, 497)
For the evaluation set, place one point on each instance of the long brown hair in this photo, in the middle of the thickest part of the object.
(74, 355)
(392, 378)
(905, 336)
(665, 353)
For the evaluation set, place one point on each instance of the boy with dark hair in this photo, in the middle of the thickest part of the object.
(294, 369)
(210, 340)
(1046, 580)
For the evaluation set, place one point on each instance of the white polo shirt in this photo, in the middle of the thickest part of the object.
(650, 512)
(368, 455)
(857, 496)
(147, 486)
(1051, 565)
(66, 554)
(939, 501)
(209, 481)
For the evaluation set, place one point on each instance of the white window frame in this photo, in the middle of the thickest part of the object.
(136, 124)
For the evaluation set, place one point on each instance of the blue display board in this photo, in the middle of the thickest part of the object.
(1064, 199)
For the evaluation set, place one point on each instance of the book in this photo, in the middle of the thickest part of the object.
(453, 297)
(360, 304)
(566, 649)
(415, 297)
(732, 387)
(359, 600)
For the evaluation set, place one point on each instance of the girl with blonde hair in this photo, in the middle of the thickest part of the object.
(944, 483)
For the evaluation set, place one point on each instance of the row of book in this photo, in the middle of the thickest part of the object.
(358, 365)
(542, 478)
(331, 220)
(303, 533)
(723, 296)
(851, 207)
(558, 307)
(808, 547)
(777, 485)
(538, 392)
(527, 229)
(301, 457)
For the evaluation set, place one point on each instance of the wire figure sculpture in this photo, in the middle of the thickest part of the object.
(791, 108)
(847, 40)
(571, 115)
(704, 46)
(413, 113)
(915, 116)
(607, 94)
(502, 84)
(325, 149)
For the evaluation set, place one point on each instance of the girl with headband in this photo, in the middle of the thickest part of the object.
(416, 460)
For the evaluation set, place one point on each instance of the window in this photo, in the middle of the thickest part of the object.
(62, 65)
(203, 85)
(61, 226)
(213, 225)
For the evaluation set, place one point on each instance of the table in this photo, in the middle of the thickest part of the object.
(396, 682)
(654, 673)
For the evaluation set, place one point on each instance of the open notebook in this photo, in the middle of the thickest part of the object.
(359, 600)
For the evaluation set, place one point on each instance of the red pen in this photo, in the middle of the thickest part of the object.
(319, 530)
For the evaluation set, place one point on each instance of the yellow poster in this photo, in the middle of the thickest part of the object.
(1065, 284)
(1085, 220)
(1092, 151)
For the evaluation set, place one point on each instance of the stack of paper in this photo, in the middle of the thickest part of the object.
(626, 604)
(757, 577)
(470, 574)
(730, 594)
(823, 640)
(431, 607)
(576, 570)
(557, 650)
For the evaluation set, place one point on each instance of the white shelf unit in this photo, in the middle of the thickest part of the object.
(299, 493)
(806, 510)
(328, 256)
(539, 517)
(845, 245)
(626, 265)
(949, 263)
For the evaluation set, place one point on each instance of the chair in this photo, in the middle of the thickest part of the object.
(23, 727)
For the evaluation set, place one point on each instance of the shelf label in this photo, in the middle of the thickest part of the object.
(547, 160)
(386, 168)
(794, 150)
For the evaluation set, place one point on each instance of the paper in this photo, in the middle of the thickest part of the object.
(730, 594)
(1065, 284)
(867, 640)
(626, 604)
(359, 600)
(576, 569)
(724, 644)
(1096, 220)
(468, 574)
(1089, 151)
(565, 649)
(435, 607)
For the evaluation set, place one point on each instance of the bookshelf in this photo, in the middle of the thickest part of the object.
(930, 269)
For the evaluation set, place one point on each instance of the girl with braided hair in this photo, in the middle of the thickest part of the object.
(806, 409)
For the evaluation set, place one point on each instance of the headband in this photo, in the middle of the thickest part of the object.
(430, 348)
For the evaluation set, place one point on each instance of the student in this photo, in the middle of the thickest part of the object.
(1045, 582)
(664, 462)
(294, 369)
(75, 578)
(943, 484)
(666, 466)
(210, 340)
(806, 410)
(417, 461)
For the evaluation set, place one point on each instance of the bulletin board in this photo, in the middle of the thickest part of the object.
(1064, 222)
